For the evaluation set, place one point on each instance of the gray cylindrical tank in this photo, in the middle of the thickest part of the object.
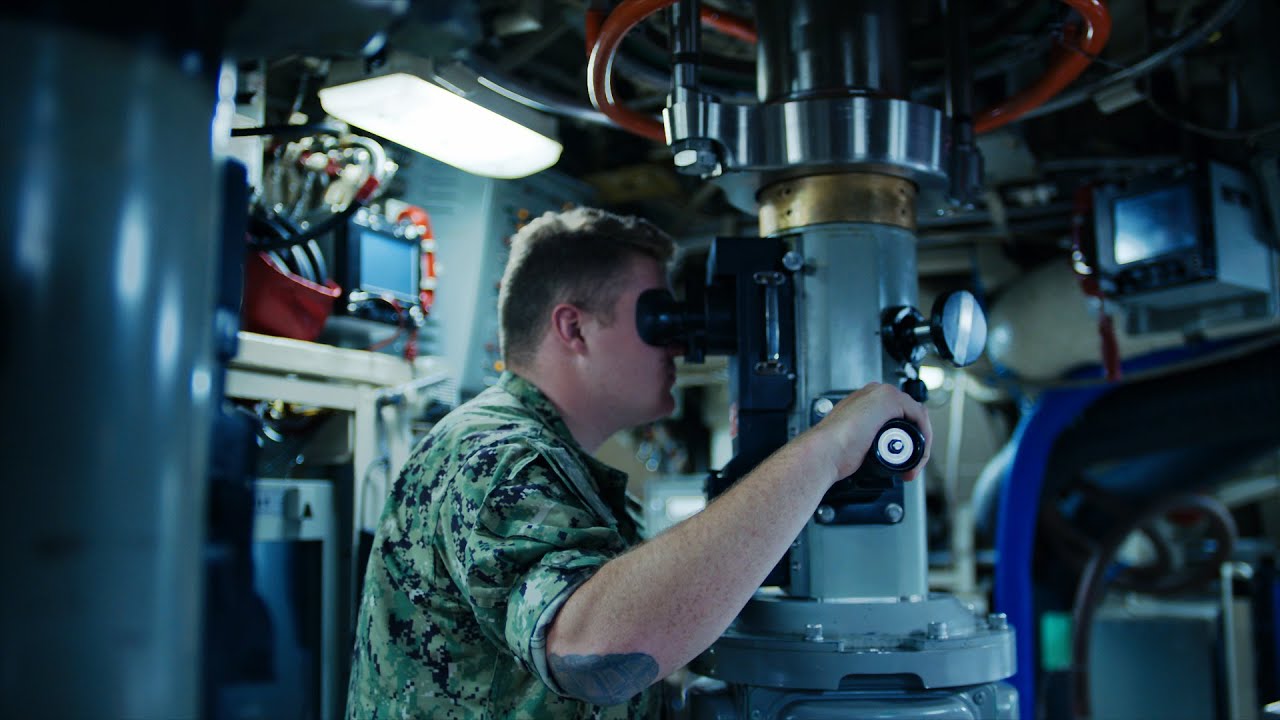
(831, 48)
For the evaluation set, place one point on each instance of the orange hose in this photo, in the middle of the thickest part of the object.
(727, 24)
(600, 67)
(595, 16)
(1064, 69)
(626, 16)
(1062, 72)
(723, 22)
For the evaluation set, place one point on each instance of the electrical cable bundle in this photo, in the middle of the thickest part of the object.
(331, 174)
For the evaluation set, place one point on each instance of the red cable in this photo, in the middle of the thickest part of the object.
(416, 216)
(427, 260)
(366, 190)
(1064, 69)
(400, 329)
(1110, 346)
(1083, 245)
(600, 67)
(595, 17)
(626, 16)
(727, 24)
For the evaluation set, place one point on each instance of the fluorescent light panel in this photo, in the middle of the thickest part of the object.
(425, 117)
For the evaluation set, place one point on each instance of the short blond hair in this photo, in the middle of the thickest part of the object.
(573, 257)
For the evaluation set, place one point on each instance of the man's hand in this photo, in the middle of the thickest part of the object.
(650, 611)
(846, 434)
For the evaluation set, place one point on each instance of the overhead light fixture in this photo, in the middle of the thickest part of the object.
(444, 113)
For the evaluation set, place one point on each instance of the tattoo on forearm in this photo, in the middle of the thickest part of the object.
(604, 679)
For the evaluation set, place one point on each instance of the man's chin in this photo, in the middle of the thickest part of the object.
(667, 407)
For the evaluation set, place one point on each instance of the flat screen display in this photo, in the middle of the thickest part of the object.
(388, 264)
(1153, 224)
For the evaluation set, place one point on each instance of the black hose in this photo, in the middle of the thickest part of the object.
(1220, 17)
(283, 131)
(1093, 585)
(321, 228)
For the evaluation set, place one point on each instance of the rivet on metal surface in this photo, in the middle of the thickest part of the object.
(998, 621)
(822, 406)
(938, 631)
(813, 632)
(825, 514)
(893, 512)
(793, 261)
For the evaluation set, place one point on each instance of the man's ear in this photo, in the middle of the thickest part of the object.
(566, 327)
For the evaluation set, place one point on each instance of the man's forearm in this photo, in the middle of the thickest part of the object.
(653, 609)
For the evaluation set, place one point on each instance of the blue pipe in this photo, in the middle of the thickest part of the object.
(1034, 438)
(1016, 525)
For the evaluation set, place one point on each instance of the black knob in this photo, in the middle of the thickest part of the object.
(957, 331)
(916, 388)
(899, 333)
(897, 448)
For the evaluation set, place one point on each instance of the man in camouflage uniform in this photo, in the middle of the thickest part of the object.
(507, 577)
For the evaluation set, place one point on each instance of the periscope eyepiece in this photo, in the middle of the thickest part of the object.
(661, 320)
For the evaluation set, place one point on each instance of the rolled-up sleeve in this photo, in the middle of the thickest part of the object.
(533, 542)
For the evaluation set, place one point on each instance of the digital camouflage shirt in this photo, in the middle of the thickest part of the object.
(498, 516)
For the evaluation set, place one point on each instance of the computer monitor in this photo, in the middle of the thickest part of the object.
(378, 266)
(1155, 224)
(1181, 247)
(385, 263)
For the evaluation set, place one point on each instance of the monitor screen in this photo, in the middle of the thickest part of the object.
(388, 264)
(1154, 224)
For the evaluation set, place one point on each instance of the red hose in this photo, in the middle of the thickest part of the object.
(600, 67)
(726, 24)
(722, 22)
(427, 257)
(1065, 68)
(592, 22)
(627, 15)
(1084, 249)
